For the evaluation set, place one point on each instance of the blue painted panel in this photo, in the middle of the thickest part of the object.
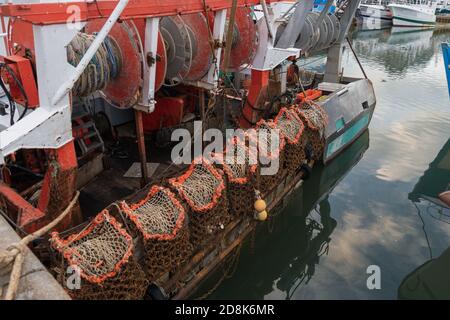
(320, 4)
(347, 136)
(340, 123)
(446, 52)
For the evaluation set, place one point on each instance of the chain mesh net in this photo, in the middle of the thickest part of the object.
(291, 128)
(203, 189)
(62, 190)
(240, 172)
(160, 219)
(270, 150)
(316, 121)
(102, 254)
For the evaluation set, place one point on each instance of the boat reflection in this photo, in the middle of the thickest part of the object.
(436, 178)
(397, 49)
(284, 252)
(431, 280)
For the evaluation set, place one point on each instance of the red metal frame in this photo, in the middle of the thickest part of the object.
(250, 116)
(24, 72)
(53, 13)
(30, 218)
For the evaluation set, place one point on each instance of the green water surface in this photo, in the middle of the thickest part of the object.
(370, 206)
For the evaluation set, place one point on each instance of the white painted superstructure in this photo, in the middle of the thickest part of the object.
(414, 13)
(375, 14)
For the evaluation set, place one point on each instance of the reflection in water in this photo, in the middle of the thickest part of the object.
(285, 256)
(319, 223)
(396, 49)
(431, 280)
(318, 230)
(369, 215)
(436, 178)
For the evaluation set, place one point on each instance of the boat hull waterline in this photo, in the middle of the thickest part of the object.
(410, 16)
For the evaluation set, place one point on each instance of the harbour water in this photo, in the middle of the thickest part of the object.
(370, 206)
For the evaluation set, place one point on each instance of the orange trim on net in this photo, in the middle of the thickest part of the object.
(313, 105)
(63, 246)
(226, 168)
(178, 182)
(271, 125)
(292, 116)
(129, 211)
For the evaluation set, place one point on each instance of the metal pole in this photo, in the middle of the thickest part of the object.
(289, 10)
(266, 18)
(229, 40)
(141, 146)
(357, 59)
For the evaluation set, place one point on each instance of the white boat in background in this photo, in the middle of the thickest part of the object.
(374, 14)
(376, 9)
(413, 13)
(443, 7)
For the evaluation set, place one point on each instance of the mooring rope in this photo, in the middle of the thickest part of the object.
(14, 255)
(104, 66)
(227, 272)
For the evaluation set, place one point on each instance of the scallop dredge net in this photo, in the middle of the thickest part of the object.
(239, 165)
(102, 255)
(202, 188)
(291, 128)
(160, 219)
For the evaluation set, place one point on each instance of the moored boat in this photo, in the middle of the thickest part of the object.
(443, 7)
(375, 15)
(414, 13)
(159, 231)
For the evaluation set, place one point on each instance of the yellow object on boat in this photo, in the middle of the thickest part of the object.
(260, 205)
(262, 215)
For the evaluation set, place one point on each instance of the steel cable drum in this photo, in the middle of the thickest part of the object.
(178, 43)
(245, 40)
(123, 91)
(336, 28)
(330, 30)
(202, 57)
(307, 36)
(161, 56)
(323, 33)
(310, 35)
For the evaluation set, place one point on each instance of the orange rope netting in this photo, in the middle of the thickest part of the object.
(158, 216)
(290, 125)
(200, 186)
(266, 139)
(99, 251)
(239, 170)
(314, 115)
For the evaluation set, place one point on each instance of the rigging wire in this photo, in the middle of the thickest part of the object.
(12, 104)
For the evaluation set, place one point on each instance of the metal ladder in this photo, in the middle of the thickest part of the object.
(90, 132)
